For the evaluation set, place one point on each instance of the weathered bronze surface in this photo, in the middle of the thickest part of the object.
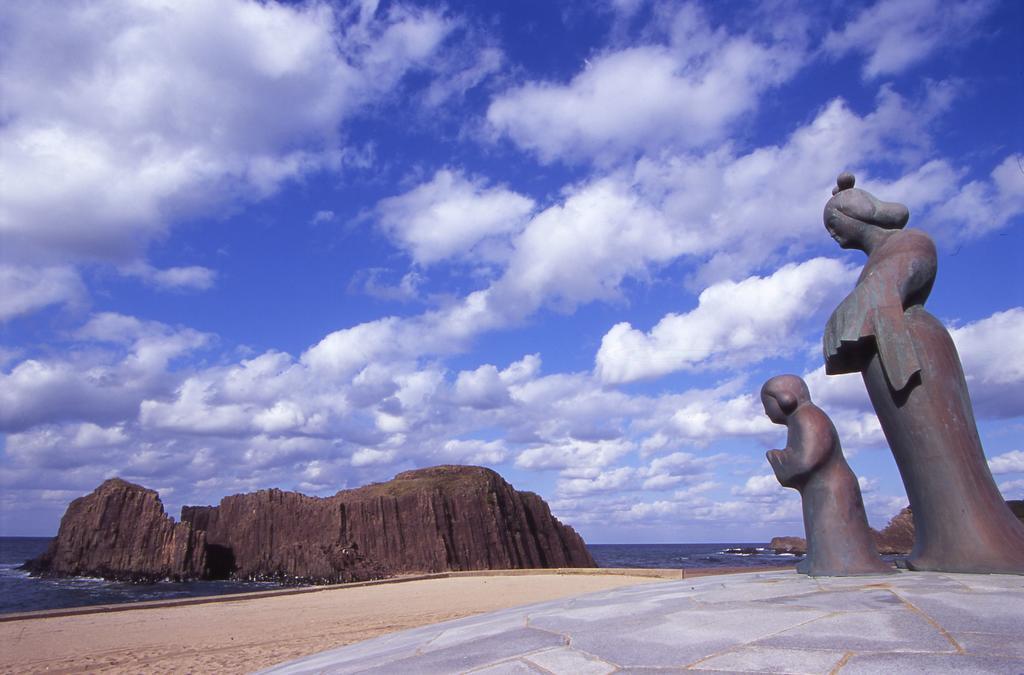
(838, 540)
(916, 384)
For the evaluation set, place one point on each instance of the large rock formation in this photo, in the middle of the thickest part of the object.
(121, 531)
(897, 537)
(428, 520)
(792, 545)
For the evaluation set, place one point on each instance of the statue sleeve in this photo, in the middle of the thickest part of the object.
(872, 318)
(895, 346)
(847, 335)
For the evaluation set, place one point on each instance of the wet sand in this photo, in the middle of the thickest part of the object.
(237, 636)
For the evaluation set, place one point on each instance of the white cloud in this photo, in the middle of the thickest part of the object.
(685, 94)
(346, 351)
(672, 469)
(485, 62)
(122, 116)
(193, 411)
(193, 278)
(728, 204)
(482, 388)
(662, 473)
(90, 435)
(766, 485)
(1012, 489)
(629, 223)
(867, 485)
(101, 383)
(605, 481)
(34, 449)
(858, 431)
(451, 215)
(837, 391)
(980, 207)
(523, 370)
(898, 34)
(1008, 462)
(582, 249)
(64, 446)
(708, 419)
(322, 216)
(734, 323)
(374, 282)
(25, 289)
(472, 452)
(283, 416)
(994, 369)
(574, 454)
(369, 457)
(567, 409)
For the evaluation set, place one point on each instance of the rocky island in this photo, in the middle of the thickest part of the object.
(427, 520)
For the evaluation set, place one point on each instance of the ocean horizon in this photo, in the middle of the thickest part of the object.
(20, 592)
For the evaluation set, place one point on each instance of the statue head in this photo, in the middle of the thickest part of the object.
(782, 395)
(851, 211)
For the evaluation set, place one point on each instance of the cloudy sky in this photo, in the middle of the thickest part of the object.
(310, 245)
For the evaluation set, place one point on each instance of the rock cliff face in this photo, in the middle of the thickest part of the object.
(898, 536)
(794, 545)
(121, 531)
(428, 520)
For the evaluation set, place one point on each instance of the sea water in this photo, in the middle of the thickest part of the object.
(20, 592)
(676, 556)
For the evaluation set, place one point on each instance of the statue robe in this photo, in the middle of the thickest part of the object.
(913, 376)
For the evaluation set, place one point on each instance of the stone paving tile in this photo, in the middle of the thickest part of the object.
(772, 660)
(484, 626)
(636, 613)
(468, 655)
(569, 661)
(929, 664)
(865, 631)
(852, 600)
(516, 667)
(611, 623)
(757, 589)
(988, 612)
(990, 582)
(985, 644)
(686, 637)
(777, 622)
(902, 579)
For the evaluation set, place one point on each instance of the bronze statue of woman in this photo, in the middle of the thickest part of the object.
(916, 384)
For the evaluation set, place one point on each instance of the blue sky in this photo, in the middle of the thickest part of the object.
(310, 245)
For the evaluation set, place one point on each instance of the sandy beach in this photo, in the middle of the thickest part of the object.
(245, 635)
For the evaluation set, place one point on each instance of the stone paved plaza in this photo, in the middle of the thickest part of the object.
(778, 622)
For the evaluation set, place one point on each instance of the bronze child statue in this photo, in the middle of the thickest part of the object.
(838, 539)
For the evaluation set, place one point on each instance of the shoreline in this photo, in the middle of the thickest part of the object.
(653, 572)
(235, 634)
